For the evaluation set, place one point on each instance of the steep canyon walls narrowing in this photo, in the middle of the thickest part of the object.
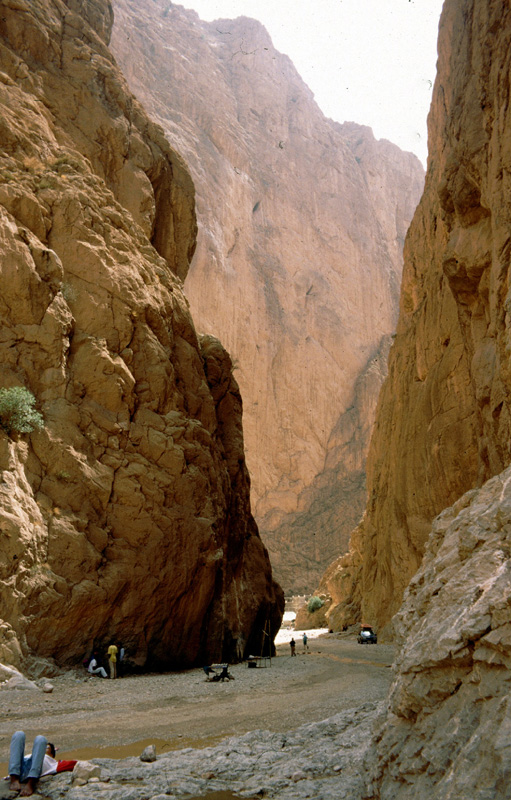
(128, 515)
(443, 418)
(442, 444)
(298, 261)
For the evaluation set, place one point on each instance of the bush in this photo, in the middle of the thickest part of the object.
(17, 412)
(314, 603)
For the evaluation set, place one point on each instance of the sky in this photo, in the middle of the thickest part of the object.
(367, 61)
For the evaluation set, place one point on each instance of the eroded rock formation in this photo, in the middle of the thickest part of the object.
(447, 729)
(128, 516)
(298, 262)
(443, 419)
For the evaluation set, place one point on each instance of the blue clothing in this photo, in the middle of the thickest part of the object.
(26, 766)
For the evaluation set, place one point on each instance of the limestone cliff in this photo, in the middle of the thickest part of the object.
(298, 261)
(443, 419)
(446, 730)
(128, 516)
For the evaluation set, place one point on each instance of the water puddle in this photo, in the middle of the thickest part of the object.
(220, 796)
(135, 749)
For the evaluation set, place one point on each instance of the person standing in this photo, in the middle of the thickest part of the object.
(292, 645)
(112, 660)
(305, 645)
(120, 662)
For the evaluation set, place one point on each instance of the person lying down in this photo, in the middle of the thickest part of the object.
(25, 770)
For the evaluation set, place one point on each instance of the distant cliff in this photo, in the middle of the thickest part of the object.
(298, 261)
(127, 517)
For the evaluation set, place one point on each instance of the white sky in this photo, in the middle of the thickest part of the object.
(367, 61)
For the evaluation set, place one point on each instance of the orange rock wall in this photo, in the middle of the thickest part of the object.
(443, 418)
(128, 516)
(298, 261)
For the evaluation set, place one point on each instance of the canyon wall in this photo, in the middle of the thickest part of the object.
(443, 418)
(127, 517)
(441, 443)
(446, 731)
(298, 261)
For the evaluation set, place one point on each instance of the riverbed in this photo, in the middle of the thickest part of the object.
(96, 718)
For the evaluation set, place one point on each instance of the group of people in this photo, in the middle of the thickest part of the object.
(305, 641)
(116, 657)
(25, 770)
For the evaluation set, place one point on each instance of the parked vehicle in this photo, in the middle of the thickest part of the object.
(367, 635)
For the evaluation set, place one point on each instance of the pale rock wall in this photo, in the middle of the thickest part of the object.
(298, 261)
(443, 418)
(446, 732)
(338, 493)
(128, 516)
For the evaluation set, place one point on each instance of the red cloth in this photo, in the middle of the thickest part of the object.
(66, 766)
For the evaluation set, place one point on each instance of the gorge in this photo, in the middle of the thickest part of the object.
(128, 515)
(298, 262)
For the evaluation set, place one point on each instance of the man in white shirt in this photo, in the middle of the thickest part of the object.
(94, 669)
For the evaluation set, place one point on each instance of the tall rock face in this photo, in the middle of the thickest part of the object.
(298, 261)
(442, 428)
(127, 517)
(443, 419)
(446, 732)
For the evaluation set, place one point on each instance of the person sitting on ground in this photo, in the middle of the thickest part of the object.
(209, 671)
(28, 769)
(94, 667)
(224, 675)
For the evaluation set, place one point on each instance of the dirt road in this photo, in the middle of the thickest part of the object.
(93, 717)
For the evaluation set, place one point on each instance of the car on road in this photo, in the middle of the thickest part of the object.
(367, 635)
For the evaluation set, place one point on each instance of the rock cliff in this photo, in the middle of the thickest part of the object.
(443, 418)
(447, 729)
(298, 261)
(127, 516)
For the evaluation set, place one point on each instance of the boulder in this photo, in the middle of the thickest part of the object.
(446, 730)
(148, 753)
(84, 771)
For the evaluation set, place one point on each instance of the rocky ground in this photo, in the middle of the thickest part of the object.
(299, 728)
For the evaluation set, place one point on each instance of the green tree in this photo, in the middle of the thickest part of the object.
(17, 411)
(314, 603)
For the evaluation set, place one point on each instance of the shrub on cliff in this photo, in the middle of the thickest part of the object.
(17, 411)
(314, 603)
